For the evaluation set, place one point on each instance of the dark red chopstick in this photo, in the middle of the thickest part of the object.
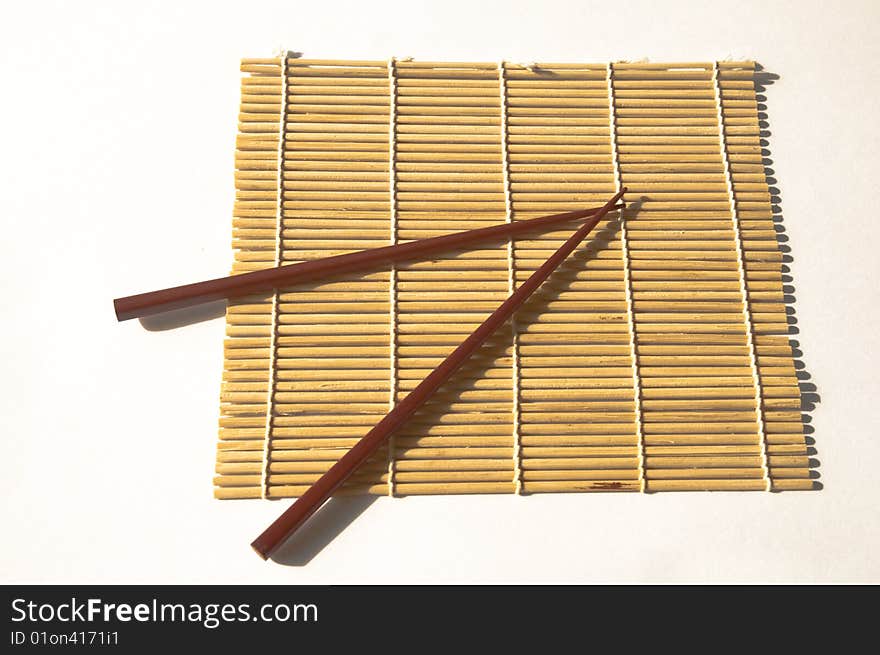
(316, 495)
(154, 302)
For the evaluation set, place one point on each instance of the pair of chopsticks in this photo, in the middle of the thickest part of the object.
(316, 495)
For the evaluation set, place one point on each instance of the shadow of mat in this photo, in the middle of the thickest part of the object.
(809, 392)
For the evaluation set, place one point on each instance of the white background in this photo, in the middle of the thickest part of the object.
(118, 126)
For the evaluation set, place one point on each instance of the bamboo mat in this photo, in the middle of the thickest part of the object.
(656, 358)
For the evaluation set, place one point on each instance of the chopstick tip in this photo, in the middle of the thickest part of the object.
(117, 309)
(263, 555)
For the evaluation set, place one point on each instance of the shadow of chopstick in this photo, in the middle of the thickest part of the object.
(324, 526)
(180, 317)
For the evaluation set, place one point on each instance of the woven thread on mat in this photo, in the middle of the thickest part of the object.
(740, 261)
(273, 329)
(392, 286)
(624, 245)
(511, 282)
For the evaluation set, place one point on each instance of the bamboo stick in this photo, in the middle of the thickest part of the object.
(541, 487)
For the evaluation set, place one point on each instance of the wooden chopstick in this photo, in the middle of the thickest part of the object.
(316, 495)
(154, 302)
